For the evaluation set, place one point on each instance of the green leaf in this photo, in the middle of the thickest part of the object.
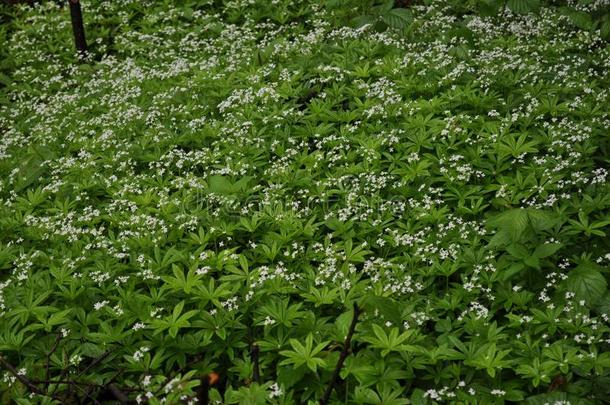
(581, 19)
(398, 18)
(343, 322)
(387, 307)
(517, 251)
(419, 397)
(490, 8)
(540, 220)
(289, 376)
(523, 6)
(362, 20)
(603, 305)
(91, 350)
(604, 30)
(223, 185)
(514, 223)
(546, 250)
(32, 168)
(557, 398)
(384, 7)
(4, 79)
(587, 282)
(515, 268)
(532, 261)
(304, 355)
(389, 342)
(178, 310)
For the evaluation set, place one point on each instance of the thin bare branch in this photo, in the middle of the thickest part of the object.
(344, 353)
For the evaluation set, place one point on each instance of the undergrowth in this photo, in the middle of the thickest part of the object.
(211, 196)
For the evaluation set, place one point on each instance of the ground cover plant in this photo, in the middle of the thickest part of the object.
(287, 202)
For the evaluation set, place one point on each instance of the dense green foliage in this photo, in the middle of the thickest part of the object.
(220, 176)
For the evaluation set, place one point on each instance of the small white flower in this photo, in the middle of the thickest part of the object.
(101, 304)
(139, 354)
(138, 326)
(75, 359)
(276, 391)
(497, 392)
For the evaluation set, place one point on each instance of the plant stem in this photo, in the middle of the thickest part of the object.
(256, 373)
(118, 394)
(344, 352)
(203, 393)
(23, 379)
(55, 345)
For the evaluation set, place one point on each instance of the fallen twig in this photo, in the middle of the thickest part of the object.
(95, 362)
(118, 394)
(24, 380)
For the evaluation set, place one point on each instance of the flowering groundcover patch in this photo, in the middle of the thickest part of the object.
(296, 202)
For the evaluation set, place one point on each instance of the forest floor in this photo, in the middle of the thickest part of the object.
(230, 203)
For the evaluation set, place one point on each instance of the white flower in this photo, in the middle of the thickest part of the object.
(75, 359)
(497, 392)
(276, 391)
(139, 354)
(101, 304)
(138, 326)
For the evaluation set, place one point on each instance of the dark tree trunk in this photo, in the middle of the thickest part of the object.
(403, 3)
(77, 26)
